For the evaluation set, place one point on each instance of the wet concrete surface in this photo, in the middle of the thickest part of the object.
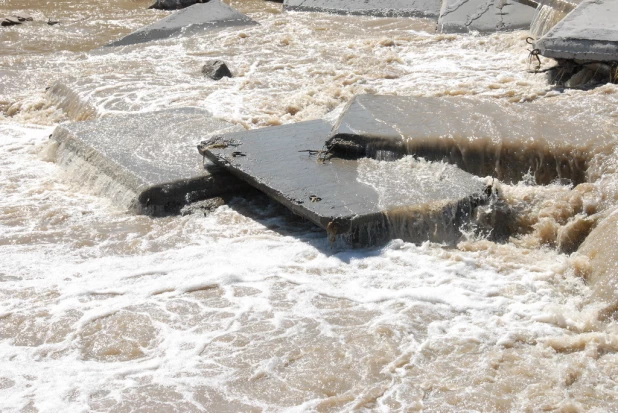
(341, 195)
(588, 33)
(152, 155)
(196, 18)
(381, 8)
(484, 16)
(482, 137)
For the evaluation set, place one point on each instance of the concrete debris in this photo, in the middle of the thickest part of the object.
(381, 8)
(194, 19)
(482, 137)
(588, 33)
(359, 202)
(216, 69)
(145, 161)
(483, 15)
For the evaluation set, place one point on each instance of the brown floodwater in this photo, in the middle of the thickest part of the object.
(250, 308)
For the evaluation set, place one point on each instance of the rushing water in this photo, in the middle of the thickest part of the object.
(249, 308)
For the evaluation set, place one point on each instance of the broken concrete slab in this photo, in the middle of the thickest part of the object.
(359, 202)
(588, 33)
(194, 19)
(457, 16)
(144, 161)
(482, 137)
(380, 8)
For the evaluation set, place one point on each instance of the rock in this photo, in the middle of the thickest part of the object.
(9, 21)
(144, 161)
(482, 137)
(357, 201)
(216, 69)
(381, 8)
(23, 17)
(483, 15)
(51, 22)
(588, 33)
(193, 19)
(175, 4)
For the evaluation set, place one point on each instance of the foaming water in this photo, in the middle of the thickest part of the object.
(248, 308)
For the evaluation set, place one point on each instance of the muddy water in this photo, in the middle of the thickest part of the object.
(249, 308)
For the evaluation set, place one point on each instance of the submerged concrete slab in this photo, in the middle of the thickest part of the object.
(482, 137)
(144, 161)
(380, 8)
(194, 19)
(588, 33)
(360, 202)
(457, 16)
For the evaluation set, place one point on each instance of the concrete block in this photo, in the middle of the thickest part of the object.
(588, 33)
(381, 8)
(196, 18)
(358, 201)
(484, 15)
(144, 161)
(482, 137)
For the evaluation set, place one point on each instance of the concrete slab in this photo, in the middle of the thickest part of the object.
(588, 33)
(144, 161)
(359, 202)
(196, 18)
(457, 16)
(380, 8)
(482, 137)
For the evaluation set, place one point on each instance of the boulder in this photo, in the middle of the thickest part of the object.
(216, 69)
(193, 19)
(381, 8)
(23, 17)
(145, 162)
(359, 202)
(588, 33)
(9, 21)
(484, 15)
(175, 4)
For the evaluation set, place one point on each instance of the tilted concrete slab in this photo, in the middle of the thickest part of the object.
(482, 137)
(588, 33)
(145, 161)
(380, 8)
(457, 16)
(194, 19)
(360, 202)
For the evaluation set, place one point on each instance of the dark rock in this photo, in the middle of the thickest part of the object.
(481, 137)
(484, 16)
(9, 21)
(175, 4)
(360, 202)
(51, 22)
(216, 69)
(193, 19)
(381, 8)
(145, 161)
(23, 17)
